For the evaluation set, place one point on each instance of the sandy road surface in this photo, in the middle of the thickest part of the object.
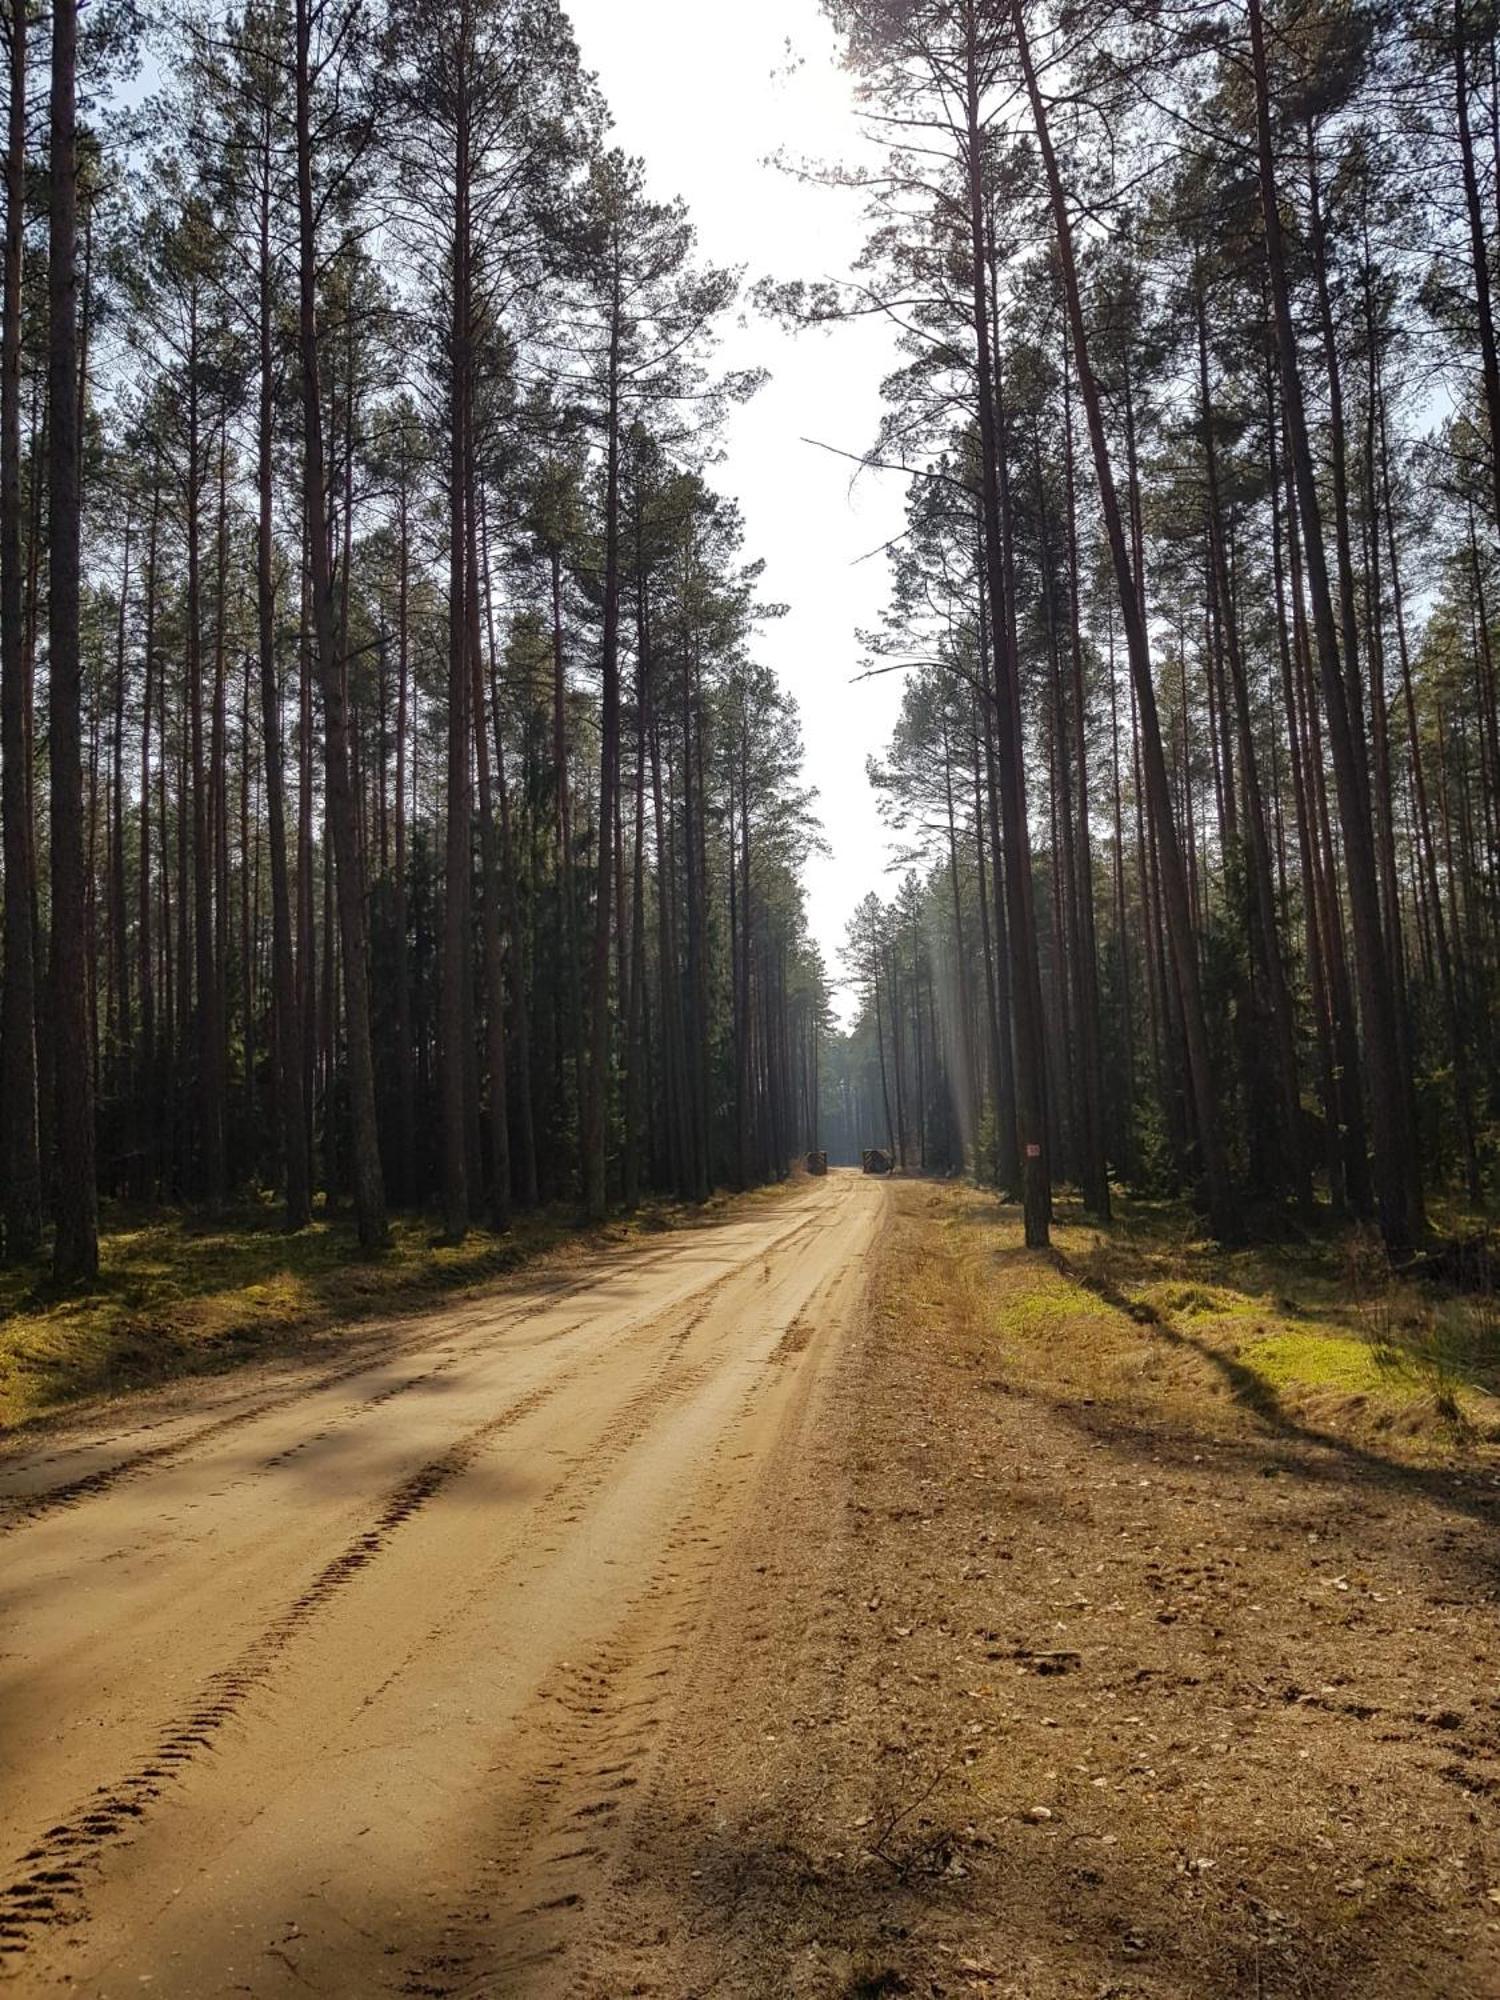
(343, 1680)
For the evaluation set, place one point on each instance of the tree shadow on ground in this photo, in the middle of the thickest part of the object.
(183, 1294)
(1344, 1456)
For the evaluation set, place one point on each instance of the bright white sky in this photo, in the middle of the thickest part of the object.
(663, 66)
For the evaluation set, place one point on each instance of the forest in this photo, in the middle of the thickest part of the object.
(395, 813)
(494, 1500)
(1196, 766)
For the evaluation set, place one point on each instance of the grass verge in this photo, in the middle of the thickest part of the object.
(1320, 1328)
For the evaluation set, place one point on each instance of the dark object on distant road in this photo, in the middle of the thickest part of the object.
(817, 1163)
(875, 1160)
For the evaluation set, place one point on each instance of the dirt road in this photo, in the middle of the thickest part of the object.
(343, 1681)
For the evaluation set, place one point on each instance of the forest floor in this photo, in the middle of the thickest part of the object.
(838, 1601)
(187, 1294)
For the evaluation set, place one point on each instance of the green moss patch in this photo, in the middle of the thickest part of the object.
(1296, 1359)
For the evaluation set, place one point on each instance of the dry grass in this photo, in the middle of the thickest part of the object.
(1320, 1329)
(1318, 1334)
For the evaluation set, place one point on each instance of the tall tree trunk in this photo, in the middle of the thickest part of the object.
(1173, 878)
(635, 1026)
(406, 1115)
(1026, 996)
(1458, 1039)
(1396, 1170)
(1316, 944)
(1266, 934)
(208, 1096)
(285, 1035)
(1095, 1169)
(523, 1166)
(76, 1248)
(885, 1087)
(566, 873)
(121, 1028)
(969, 1113)
(307, 916)
(147, 1115)
(489, 861)
(595, 1110)
(740, 938)
(369, 1191)
(20, 1165)
(218, 806)
(458, 862)
(674, 1050)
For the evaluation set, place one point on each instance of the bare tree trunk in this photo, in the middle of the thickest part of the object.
(696, 1030)
(1265, 933)
(307, 919)
(635, 1026)
(121, 1034)
(285, 1036)
(458, 860)
(1458, 1040)
(595, 1108)
(1316, 951)
(885, 1088)
(147, 1114)
(739, 931)
(208, 1096)
(489, 861)
(969, 1117)
(76, 1249)
(405, 1078)
(1095, 1167)
(1173, 879)
(1026, 998)
(21, 1160)
(369, 1192)
(1396, 1168)
(523, 1167)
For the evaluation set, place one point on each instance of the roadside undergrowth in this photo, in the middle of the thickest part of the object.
(1321, 1329)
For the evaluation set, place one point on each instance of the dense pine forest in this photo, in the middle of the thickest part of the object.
(394, 810)
(721, 1298)
(396, 814)
(1197, 772)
